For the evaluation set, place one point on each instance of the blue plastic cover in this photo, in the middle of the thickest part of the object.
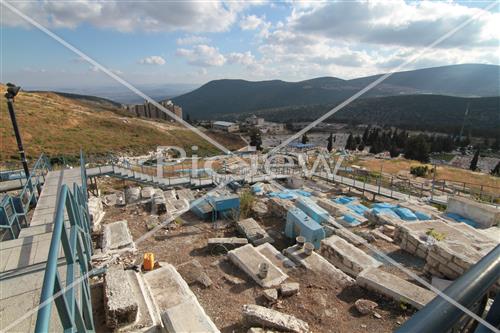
(383, 205)
(459, 218)
(422, 216)
(405, 214)
(387, 211)
(344, 200)
(357, 208)
(350, 219)
(312, 209)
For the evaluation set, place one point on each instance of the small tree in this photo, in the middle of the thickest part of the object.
(305, 139)
(350, 144)
(329, 146)
(256, 139)
(188, 118)
(417, 148)
(473, 162)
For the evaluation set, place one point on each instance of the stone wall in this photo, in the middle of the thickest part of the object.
(345, 256)
(485, 215)
(443, 261)
(410, 241)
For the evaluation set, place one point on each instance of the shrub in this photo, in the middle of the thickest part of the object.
(246, 201)
(419, 171)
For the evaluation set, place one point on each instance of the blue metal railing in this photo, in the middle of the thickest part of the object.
(439, 315)
(9, 218)
(14, 209)
(74, 235)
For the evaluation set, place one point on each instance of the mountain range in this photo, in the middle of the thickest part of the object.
(220, 98)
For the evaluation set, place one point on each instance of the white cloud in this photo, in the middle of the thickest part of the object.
(202, 55)
(189, 40)
(152, 60)
(207, 16)
(245, 58)
(251, 22)
(397, 23)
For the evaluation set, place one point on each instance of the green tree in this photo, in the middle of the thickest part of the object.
(473, 162)
(305, 139)
(417, 148)
(256, 138)
(329, 146)
(350, 144)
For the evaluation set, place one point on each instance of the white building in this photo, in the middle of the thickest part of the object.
(225, 126)
(255, 121)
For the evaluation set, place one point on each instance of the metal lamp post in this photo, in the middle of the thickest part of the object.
(12, 91)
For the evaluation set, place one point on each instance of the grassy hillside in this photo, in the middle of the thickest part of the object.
(223, 97)
(58, 126)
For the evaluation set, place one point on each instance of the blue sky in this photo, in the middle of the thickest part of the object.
(157, 42)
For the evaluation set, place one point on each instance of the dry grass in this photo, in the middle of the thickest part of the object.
(443, 172)
(60, 126)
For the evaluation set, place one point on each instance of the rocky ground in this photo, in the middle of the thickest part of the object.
(321, 303)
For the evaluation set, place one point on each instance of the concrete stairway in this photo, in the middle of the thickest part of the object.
(23, 260)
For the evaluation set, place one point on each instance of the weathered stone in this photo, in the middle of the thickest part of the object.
(116, 236)
(253, 231)
(234, 280)
(289, 289)
(147, 192)
(439, 283)
(276, 257)
(346, 256)
(132, 194)
(365, 306)
(120, 306)
(178, 306)
(229, 242)
(318, 264)
(259, 208)
(249, 260)
(193, 272)
(270, 294)
(259, 315)
(382, 236)
(394, 287)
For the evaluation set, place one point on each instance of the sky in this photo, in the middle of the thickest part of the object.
(193, 42)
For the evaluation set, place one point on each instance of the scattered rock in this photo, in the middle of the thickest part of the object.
(367, 236)
(377, 315)
(363, 326)
(382, 236)
(193, 272)
(260, 330)
(270, 294)
(365, 306)
(259, 208)
(289, 289)
(233, 279)
(261, 316)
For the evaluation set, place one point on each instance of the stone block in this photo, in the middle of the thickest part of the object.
(318, 264)
(261, 316)
(394, 287)
(289, 289)
(346, 256)
(120, 306)
(248, 259)
(253, 231)
(116, 236)
(179, 308)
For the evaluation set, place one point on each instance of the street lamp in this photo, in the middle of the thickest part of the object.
(12, 91)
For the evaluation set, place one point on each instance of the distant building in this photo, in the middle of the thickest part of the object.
(225, 126)
(254, 121)
(148, 110)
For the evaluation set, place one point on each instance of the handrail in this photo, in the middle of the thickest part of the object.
(440, 315)
(76, 242)
(24, 200)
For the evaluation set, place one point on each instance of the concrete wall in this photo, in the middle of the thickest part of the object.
(485, 215)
